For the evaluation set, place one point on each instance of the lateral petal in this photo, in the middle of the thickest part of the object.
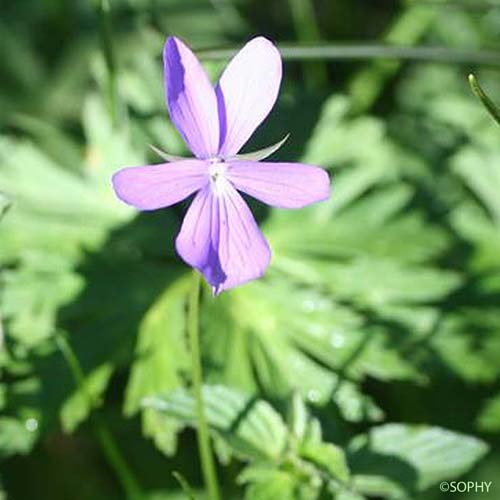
(282, 185)
(191, 99)
(157, 186)
(246, 93)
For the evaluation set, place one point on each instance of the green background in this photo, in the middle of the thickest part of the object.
(364, 365)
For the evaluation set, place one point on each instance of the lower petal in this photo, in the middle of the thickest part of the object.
(157, 186)
(220, 238)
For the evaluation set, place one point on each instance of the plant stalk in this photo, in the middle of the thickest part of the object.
(295, 52)
(103, 11)
(206, 457)
(307, 31)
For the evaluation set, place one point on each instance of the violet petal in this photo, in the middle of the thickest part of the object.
(246, 93)
(191, 99)
(282, 185)
(220, 238)
(156, 186)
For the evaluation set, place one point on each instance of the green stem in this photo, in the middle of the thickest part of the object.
(206, 457)
(229, 15)
(307, 30)
(108, 445)
(487, 102)
(103, 11)
(371, 51)
(460, 4)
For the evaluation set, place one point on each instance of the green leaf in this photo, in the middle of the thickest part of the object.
(489, 418)
(473, 224)
(31, 298)
(59, 203)
(413, 457)
(79, 405)
(374, 283)
(468, 343)
(161, 358)
(251, 426)
(478, 167)
(327, 457)
(52, 140)
(109, 148)
(16, 437)
(308, 443)
(380, 487)
(268, 484)
(290, 329)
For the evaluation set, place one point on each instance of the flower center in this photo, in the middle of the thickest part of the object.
(217, 171)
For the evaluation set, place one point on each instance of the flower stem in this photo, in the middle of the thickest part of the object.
(108, 445)
(103, 11)
(307, 31)
(206, 457)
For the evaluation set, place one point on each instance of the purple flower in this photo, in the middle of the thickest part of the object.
(219, 235)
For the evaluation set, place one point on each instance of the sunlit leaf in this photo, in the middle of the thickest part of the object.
(412, 457)
(253, 428)
(15, 437)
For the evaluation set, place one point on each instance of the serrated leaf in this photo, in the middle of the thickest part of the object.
(252, 427)
(290, 330)
(372, 226)
(415, 457)
(372, 282)
(268, 484)
(327, 457)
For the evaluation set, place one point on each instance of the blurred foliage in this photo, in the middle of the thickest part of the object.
(365, 363)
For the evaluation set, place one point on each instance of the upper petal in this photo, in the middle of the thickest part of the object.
(191, 99)
(282, 185)
(246, 93)
(157, 186)
(220, 237)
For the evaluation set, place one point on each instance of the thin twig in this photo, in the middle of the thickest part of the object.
(375, 51)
